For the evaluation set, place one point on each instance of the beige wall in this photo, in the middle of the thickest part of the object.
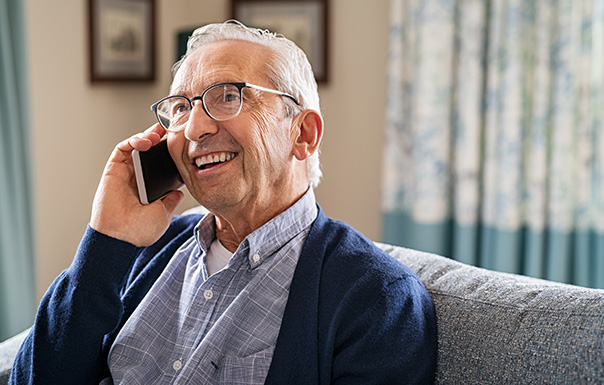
(75, 125)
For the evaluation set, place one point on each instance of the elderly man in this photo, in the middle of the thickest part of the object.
(263, 289)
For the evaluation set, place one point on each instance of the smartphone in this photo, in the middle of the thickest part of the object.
(156, 173)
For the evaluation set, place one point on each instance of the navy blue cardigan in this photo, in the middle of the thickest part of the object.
(354, 314)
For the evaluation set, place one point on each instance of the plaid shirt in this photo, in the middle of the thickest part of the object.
(191, 328)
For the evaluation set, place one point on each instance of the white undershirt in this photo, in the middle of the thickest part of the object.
(217, 258)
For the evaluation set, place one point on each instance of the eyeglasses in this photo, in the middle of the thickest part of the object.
(221, 102)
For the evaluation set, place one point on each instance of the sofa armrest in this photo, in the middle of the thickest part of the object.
(8, 351)
(509, 329)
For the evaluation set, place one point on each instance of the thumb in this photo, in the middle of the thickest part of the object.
(172, 200)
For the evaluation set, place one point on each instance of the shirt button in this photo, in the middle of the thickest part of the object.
(177, 365)
(256, 257)
(208, 294)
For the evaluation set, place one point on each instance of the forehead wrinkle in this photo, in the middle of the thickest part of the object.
(187, 81)
(222, 61)
(195, 82)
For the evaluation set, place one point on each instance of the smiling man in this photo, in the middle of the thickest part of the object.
(264, 288)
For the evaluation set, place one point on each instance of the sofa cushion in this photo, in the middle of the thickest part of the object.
(510, 329)
(8, 351)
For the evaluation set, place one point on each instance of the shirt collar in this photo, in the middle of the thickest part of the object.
(270, 237)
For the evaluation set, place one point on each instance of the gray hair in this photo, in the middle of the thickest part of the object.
(290, 71)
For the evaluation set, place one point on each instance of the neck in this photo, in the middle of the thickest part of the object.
(232, 228)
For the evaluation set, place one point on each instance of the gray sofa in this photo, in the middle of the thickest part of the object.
(495, 328)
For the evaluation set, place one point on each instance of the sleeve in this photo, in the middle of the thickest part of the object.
(387, 335)
(81, 306)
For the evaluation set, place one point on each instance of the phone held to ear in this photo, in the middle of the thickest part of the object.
(156, 173)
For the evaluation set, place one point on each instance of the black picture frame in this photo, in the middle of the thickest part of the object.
(303, 21)
(122, 40)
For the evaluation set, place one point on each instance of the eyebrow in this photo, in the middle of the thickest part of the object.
(187, 88)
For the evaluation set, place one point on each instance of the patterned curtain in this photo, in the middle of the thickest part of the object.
(494, 152)
(17, 296)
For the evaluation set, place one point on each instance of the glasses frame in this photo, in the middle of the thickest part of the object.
(240, 86)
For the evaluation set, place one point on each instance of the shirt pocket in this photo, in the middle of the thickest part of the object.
(249, 370)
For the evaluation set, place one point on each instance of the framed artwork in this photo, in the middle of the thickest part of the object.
(122, 40)
(303, 21)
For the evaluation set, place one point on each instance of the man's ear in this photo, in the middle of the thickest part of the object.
(308, 132)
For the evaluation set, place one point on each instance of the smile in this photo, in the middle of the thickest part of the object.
(214, 159)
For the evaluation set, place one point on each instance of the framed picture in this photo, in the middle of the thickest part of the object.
(303, 21)
(122, 40)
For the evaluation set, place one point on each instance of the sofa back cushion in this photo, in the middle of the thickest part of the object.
(509, 329)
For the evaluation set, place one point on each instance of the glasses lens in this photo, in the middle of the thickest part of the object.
(223, 101)
(173, 112)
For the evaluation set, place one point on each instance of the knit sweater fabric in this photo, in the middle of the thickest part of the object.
(354, 314)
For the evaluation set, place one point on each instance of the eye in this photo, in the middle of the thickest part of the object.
(179, 106)
(230, 96)
(222, 94)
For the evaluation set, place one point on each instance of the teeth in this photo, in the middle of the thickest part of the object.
(216, 158)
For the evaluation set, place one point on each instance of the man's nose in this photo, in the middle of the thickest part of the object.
(200, 124)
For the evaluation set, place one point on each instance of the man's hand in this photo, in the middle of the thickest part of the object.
(117, 211)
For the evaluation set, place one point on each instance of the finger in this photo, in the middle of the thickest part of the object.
(142, 142)
(148, 138)
(157, 129)
(122, 151)
(154, 133)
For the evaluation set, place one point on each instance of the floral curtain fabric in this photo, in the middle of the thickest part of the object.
(494, 151)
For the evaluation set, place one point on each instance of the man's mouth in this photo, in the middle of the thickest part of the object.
(214, 159)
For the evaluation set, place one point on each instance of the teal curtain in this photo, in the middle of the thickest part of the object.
(494, 150)
(17, 294)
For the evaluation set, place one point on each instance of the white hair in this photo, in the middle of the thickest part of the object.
(289, 70)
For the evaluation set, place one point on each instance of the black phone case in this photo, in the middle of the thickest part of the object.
(157, 174)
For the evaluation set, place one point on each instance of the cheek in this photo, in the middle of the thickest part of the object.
(273, 135)
(176, 143)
